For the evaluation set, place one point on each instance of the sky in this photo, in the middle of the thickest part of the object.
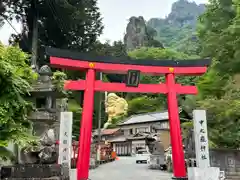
(115, 15)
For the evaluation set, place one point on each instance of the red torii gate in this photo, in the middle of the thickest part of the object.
(78, 61)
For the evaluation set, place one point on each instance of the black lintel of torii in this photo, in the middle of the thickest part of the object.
(60, 53)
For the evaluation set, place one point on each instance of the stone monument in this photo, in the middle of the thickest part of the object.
(203, 171)
(41, 161)
(156, 150)
(154, 144)
(65, 139)
(114, 106)
(43, 118)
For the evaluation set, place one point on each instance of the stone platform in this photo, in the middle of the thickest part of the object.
(35, 171)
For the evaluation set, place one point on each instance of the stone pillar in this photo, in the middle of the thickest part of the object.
(210, 173)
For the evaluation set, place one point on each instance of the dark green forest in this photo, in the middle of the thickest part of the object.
(190, 30)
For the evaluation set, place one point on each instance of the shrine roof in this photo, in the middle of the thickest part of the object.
(145, 118)
(109, 131)
(54, 52)
(106, 131)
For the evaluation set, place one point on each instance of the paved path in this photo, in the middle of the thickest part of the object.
(126, 169)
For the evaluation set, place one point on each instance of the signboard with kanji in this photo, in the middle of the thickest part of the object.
(65, 138)
(201, 138)
(133, 78)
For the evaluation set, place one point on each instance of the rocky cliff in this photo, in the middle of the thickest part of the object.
(177, 30)
(139, 35)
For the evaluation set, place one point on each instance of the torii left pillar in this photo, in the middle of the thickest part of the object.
(86, 126)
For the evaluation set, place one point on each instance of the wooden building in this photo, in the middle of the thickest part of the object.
(132, 133)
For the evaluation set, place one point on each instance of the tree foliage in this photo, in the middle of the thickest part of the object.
(15, 83)
(218, 31)
(223, 117)
(144, 104)
(116, 49)
(157, 54)
(65, 24)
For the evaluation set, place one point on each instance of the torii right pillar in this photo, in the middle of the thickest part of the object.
(175, 130)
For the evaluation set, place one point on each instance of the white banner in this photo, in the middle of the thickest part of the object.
(201, 139)
(65, 138)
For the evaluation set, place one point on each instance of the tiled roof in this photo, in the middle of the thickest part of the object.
(109, 131)
(148, 117)
(105, 131)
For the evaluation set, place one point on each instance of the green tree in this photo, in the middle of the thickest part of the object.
(68, 24)
(144, 104)
(189, 45)
(223, 117)
(157, 54)
(218, 32)
(116, 49)
(212, 84)
(15, 83)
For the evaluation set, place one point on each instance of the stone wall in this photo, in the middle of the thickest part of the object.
(35, 171)
(228, 161)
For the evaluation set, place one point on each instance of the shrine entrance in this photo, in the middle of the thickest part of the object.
(133, 68)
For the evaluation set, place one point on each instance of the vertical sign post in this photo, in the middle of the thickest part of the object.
(203, 170)
(201, 139)
(65, 138)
